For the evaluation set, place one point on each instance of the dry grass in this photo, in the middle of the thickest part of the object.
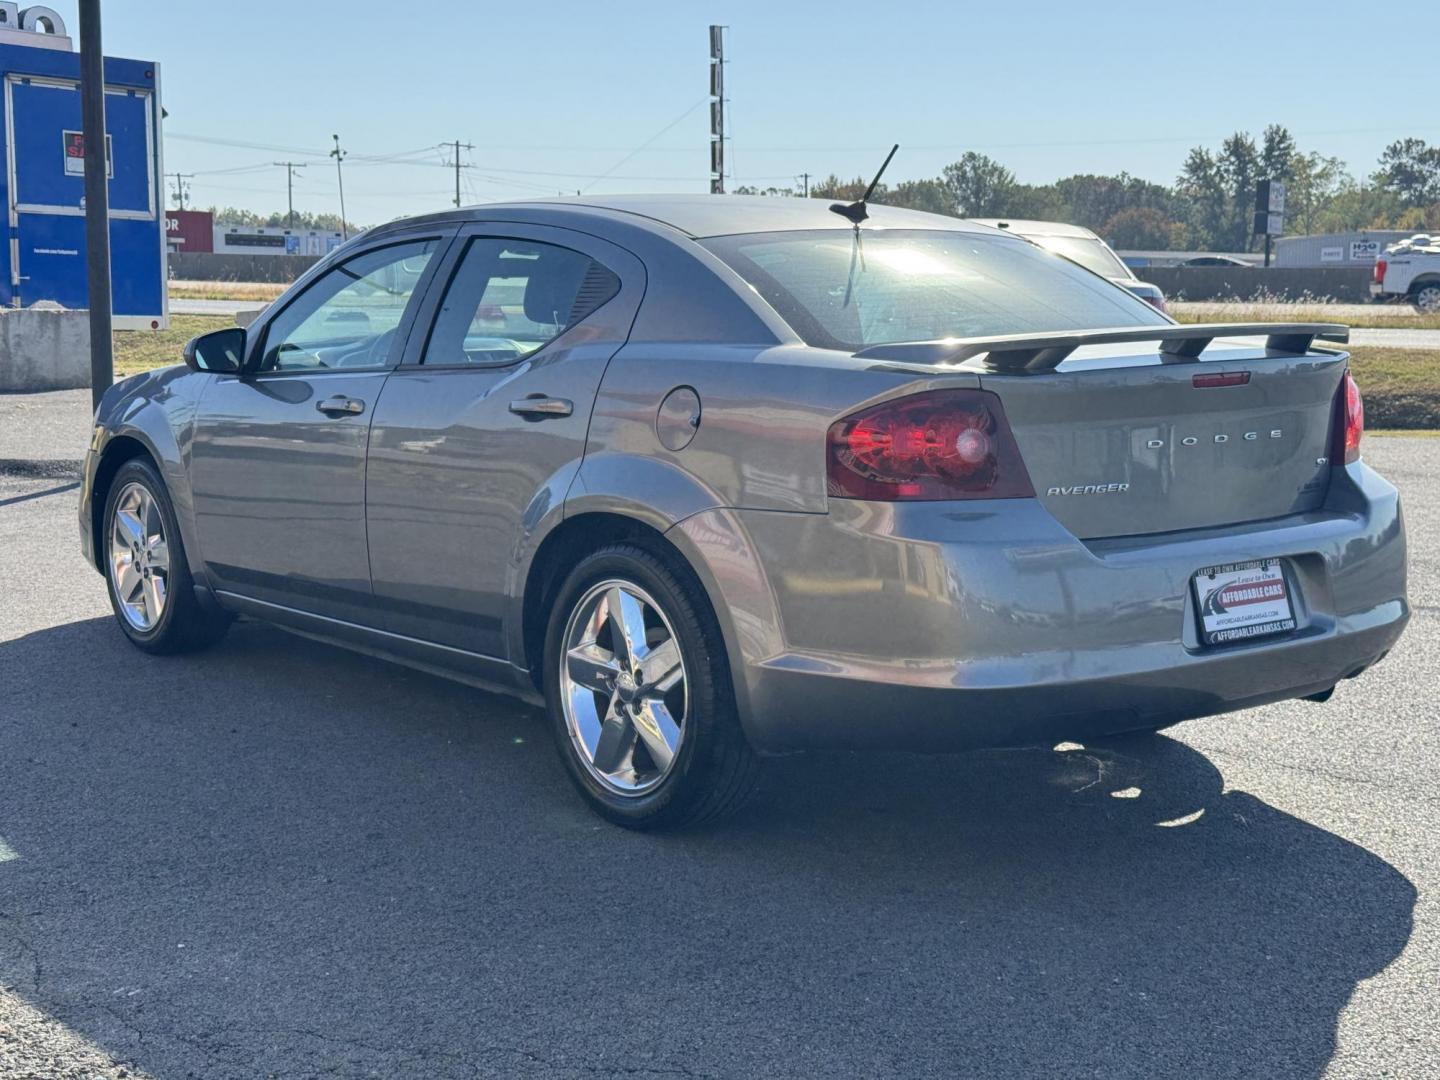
(1383, 316)
(225, 290)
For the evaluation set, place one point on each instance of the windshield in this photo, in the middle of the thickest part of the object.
(840, 292)
(1090, 252)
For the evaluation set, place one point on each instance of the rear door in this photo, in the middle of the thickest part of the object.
(278, 457)
(481, 430)
(1123, 446)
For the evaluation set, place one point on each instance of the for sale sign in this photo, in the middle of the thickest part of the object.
(74, 144)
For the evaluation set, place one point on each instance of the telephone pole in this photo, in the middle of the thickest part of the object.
(458, 147)
(97, 200)
(181, 186)
(339, 156)
(805, 179)
(717, 110)
(289, 167)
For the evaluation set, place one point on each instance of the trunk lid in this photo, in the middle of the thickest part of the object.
(1120, 442)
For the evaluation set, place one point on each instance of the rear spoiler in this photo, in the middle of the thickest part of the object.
(1022, 354)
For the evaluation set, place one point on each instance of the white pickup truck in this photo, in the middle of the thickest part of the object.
(1410, 270)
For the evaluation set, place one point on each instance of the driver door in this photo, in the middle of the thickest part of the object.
(278, 454)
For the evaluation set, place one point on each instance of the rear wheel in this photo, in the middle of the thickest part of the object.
(151, 590)
(1427, 297)
(639, 693)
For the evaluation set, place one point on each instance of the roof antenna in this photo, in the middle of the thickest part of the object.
(855, 212)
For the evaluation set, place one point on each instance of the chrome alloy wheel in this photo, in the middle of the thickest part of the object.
(139, 557)
(624, 688)
(1427, 299)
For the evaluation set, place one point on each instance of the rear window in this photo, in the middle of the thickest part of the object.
(843, 291)
(1089, 253)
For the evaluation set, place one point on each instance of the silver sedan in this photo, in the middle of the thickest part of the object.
(717, 477)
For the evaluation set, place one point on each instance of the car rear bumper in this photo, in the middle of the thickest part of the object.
(953, 625)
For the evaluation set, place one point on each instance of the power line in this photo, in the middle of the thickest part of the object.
(642, 146)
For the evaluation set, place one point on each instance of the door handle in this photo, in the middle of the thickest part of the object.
(340, 405)
(539, 407)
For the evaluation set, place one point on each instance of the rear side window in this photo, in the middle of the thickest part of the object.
(843, 290)
(510, 298)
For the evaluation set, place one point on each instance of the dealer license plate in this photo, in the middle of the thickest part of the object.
(1240, 601)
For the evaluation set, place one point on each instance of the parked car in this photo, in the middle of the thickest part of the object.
(715, 477)
(1084, 247)
(1410, 271)
(1216, 260)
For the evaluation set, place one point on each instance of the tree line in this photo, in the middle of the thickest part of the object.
(1208, 208)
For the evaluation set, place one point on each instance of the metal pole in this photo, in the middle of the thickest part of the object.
(97, 200)
(457, 172)
(1267, 249)
(339, 156)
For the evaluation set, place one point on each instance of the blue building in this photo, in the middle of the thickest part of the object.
(44, 179)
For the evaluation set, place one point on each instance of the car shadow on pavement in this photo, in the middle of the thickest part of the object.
(280, 858)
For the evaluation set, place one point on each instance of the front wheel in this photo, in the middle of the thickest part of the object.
(639, 693)
(151, 590)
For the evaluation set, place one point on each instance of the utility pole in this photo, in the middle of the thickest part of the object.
(805, 178)
(717, 110)
(290, 167)
(458, 147)
(181, 186)
(97, 200)
(339, 156)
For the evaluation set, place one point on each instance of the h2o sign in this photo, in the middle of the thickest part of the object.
(36, 20)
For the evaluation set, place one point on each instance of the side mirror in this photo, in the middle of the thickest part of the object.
(220, 351)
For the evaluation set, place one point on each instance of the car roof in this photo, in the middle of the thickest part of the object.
(704, 215)
(1036, 228)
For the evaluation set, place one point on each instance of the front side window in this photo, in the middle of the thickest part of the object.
(349, 316)
(510, 298)
(844, 290)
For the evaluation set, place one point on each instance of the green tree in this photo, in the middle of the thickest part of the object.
(1410, 170)
(1278, 154)
(1240, 170)
(978, 186)
(1313, 184)
(1201, 190)
(928, 195)
(1139, 228)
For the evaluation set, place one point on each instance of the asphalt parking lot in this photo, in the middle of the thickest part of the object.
(281, 859)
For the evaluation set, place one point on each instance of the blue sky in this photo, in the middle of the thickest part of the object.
(557, 96)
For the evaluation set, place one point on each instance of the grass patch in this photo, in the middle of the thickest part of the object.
(141, 350)
(1376, 316)
(1401, 387)
(225, 290)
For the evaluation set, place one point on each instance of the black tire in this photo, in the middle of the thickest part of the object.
(715, 769)
(1426, 297)
(185, 625)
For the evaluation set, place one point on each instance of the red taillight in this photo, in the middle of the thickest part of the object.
(1380, 265)
(1157, 302)
(1349, 421)
(1352, 411)
(942, 444)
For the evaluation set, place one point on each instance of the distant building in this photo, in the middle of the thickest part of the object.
(189, 230)
(272, 240)
(1347, 250)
